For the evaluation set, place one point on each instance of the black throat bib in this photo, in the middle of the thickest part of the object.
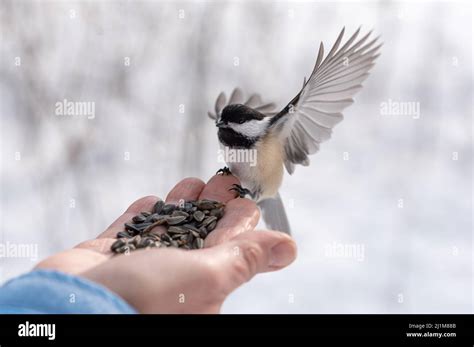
(232, 139)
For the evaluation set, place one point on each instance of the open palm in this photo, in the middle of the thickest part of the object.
(174, 280)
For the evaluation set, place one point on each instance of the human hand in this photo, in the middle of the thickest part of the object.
(173, 280)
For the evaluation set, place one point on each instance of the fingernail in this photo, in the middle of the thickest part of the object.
(282, 254)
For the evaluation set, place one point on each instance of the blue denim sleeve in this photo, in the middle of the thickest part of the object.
(46, 291)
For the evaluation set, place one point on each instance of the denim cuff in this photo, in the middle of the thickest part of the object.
(47, 291)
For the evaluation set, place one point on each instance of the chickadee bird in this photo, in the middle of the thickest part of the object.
(286, 138)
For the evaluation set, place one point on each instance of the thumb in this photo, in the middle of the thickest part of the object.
(251, 253)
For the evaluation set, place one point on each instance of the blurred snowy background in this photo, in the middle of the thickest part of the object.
(382, 217)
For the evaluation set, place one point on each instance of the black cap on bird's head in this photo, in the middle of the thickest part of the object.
(238, 114)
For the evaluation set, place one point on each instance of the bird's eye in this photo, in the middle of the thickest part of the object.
(241, 121)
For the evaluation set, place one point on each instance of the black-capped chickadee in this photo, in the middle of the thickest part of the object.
(285, 138)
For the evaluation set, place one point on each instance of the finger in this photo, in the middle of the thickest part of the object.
(240, 215)
(251, 253)
(217, 188)
(143, 204)
(188, 189)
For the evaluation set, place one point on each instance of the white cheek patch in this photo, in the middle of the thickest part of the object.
(251, 128)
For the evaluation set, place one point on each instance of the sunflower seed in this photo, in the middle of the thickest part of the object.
(199, 216)
(165, 238)
(203, 232)
(160, 221)
(124, 234)
(188, 239)
(154, 237)
(198, 243)
(117, 244)
(132, 227)
(167, 209)
(136, 240)
(139, 219)
(158, 207)
(126, 249)
(188, 206)
(177, 230)
(122, 249)
(145, 242)
(179, 213)
(217, 212)
(190, 227)
(211, 226)
(142, 226)
(175, 220)
(208, 221)
(205, 204)
(152, 218)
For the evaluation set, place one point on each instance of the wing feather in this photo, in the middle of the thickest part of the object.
(237, 97)
(311, 115)
(218, 107)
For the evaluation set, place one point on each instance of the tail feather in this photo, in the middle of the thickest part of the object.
(274, 215)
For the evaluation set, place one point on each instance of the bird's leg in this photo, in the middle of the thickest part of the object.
(224, 171)
(241, 191)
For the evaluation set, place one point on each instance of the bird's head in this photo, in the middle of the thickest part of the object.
(243, 121)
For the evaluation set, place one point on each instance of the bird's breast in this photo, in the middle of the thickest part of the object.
(264, 173)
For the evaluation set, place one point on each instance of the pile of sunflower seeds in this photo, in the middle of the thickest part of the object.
(187, 225)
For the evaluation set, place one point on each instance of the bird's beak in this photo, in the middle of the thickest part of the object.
(221, 124)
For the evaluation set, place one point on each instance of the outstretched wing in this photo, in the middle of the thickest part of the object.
(237, 97)
(309, 118)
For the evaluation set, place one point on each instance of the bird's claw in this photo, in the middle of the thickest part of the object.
(241, 191)
(224, 171)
